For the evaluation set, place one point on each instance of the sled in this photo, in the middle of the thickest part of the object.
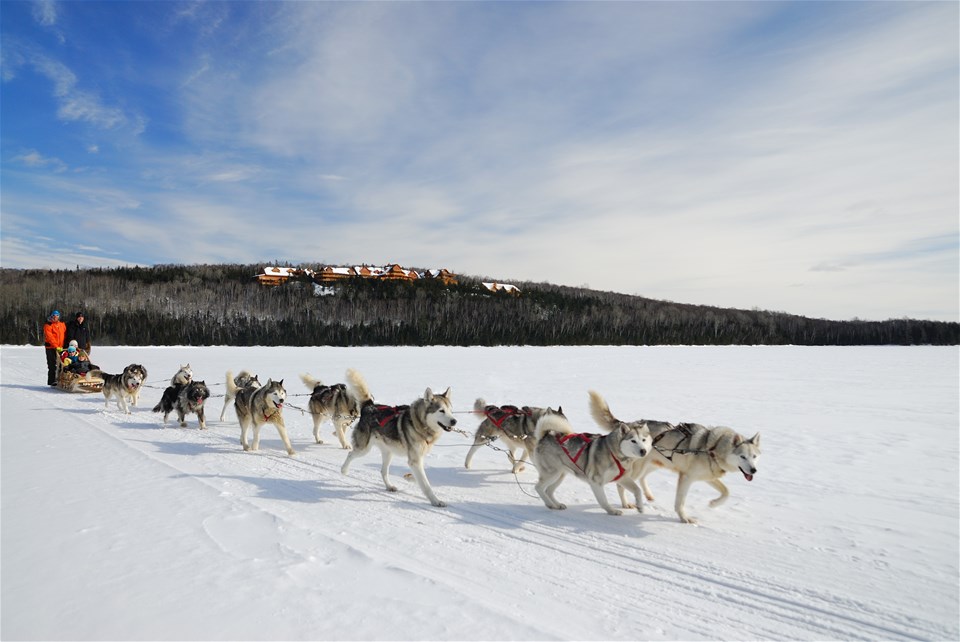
(73, 382)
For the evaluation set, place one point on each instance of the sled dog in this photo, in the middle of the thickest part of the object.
(185, 399)
(258, 405)
(700, 453)
(183, 376)
(596, 459)
(338, 403)
(403, 430)
(601, 414)
(242, 380)
(693, 451)
(123, 386)
(515, 426)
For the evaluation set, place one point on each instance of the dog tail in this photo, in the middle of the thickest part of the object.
(231, 384)
(310, 382)
(552, 423)
(600, 411)
(158, 407)
(358, 387)
(479, 406)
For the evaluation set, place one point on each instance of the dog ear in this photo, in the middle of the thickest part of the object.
(428, 394)
(737, 440)
(560, 410)
(446, 393)
(755, 440)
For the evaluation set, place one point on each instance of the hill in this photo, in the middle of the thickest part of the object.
(225, 305)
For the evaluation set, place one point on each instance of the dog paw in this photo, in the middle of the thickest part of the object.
(392, 489)
(439, 504)
(615, 511)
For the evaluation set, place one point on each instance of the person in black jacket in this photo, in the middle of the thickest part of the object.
(78, 331)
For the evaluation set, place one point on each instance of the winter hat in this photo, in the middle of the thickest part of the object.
(72, 349)
(55, 313)
(73, 343)
(79, 314)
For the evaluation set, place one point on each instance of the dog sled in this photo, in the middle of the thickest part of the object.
(76, 382)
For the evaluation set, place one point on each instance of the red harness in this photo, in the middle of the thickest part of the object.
(499, 414)
(385, 414)
(586, 438)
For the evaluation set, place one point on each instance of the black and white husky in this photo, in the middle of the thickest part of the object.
(124, 386)
(403, 430)
(185, 399)
(339, 403)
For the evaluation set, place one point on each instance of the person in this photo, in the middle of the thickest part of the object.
(79, 331)
(76, 359)
(54, 337)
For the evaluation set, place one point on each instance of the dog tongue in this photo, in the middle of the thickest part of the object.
(748, 476)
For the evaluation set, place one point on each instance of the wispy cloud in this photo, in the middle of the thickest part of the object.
(775, 155)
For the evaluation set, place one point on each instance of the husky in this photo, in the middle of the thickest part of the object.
(403, 430)
(600, 411)
(701, 453)
(185, 399)
(338, 403)
(123, 386)
(515, 426)
(693, 451)
(257, 405)
(183, 376)
(242, 380)
(596, 459)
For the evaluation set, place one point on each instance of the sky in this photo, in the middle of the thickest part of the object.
(796, 157)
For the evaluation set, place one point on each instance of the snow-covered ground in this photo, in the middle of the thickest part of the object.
(116, 528)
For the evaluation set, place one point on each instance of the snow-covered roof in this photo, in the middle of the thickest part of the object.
(501, 287)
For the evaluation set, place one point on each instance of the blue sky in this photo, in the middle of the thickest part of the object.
(800, 157)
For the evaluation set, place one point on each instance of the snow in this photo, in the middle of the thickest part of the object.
(114, 527)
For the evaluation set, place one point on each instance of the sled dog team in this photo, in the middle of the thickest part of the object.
(624, 454)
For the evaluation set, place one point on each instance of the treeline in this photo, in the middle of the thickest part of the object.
(224, 305)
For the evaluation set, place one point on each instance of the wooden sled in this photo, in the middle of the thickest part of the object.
(73, 382)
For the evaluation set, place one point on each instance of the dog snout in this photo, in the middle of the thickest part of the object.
(453, 422)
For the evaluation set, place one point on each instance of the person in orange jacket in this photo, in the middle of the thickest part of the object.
(54, 333)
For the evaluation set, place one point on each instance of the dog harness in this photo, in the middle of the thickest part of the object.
(586, 438)
(277, 409)
(385, 414)
(498, 414)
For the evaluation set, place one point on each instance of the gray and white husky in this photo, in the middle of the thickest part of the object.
(242, 380)
(403, 430)
(124, 386)
(258, 405)
(693, 451)
(514, 426)
(601, 414)
(182, 377)
(339, 403)
(596, 459)
(185, 399)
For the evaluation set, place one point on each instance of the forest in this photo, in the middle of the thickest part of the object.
(203, 305)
